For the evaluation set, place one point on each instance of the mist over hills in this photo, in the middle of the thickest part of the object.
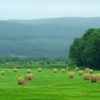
(42, 37)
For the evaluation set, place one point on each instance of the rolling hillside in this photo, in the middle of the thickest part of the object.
(42, 37)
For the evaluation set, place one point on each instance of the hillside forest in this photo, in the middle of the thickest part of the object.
(42, 37)
(65, 40)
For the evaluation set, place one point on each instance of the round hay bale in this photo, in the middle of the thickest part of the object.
(22, 80)
(98, 75)
(90, 71)
(15, 69)
(28, 71)
(39, 69)
(87, 76)
(94, 78)
(55, 70)
(63, 70)
(87, 69)
(29, 76)
(71, 74)
(2, 72)
(77, 69)
(68, 68)
(80, 72)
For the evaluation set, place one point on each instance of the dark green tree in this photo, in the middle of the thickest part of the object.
(85, 51)
(75, 51)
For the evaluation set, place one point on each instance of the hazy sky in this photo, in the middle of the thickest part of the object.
(34, 9)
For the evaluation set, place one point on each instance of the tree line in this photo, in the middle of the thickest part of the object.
(31, 59)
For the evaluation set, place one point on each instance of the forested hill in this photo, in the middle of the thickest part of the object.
(42, 37)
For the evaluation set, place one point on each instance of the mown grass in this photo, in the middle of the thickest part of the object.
(47, 86)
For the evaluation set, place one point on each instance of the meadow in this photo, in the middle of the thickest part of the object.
(47, 85)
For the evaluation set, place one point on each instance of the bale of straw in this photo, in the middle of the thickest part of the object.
(15, 69)
(94, 78)
(87, 76)
(80, 72)
(22, 80)
(2, 72)
(90, 71)
(71, 74)
(29, 76)
(63, 70)
(98, 75)
(28, 71)
(55, 70)
(39, 69)
(77, 69)
(68, 68)
(87, 69)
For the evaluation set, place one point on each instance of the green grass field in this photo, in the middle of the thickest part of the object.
(47, 86)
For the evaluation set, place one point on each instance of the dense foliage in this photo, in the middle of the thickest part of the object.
(85, 51)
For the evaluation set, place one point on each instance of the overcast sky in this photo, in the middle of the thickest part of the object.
(36, 9)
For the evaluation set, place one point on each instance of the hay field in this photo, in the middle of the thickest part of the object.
(47, 85)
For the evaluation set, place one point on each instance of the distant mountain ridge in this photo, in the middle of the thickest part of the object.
(42, 37)
(87, 21)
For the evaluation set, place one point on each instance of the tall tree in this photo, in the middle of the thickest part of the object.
(85, 51)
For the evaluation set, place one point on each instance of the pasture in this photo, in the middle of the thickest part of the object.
(47, 85)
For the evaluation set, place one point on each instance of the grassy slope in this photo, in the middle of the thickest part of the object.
(47, 86)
